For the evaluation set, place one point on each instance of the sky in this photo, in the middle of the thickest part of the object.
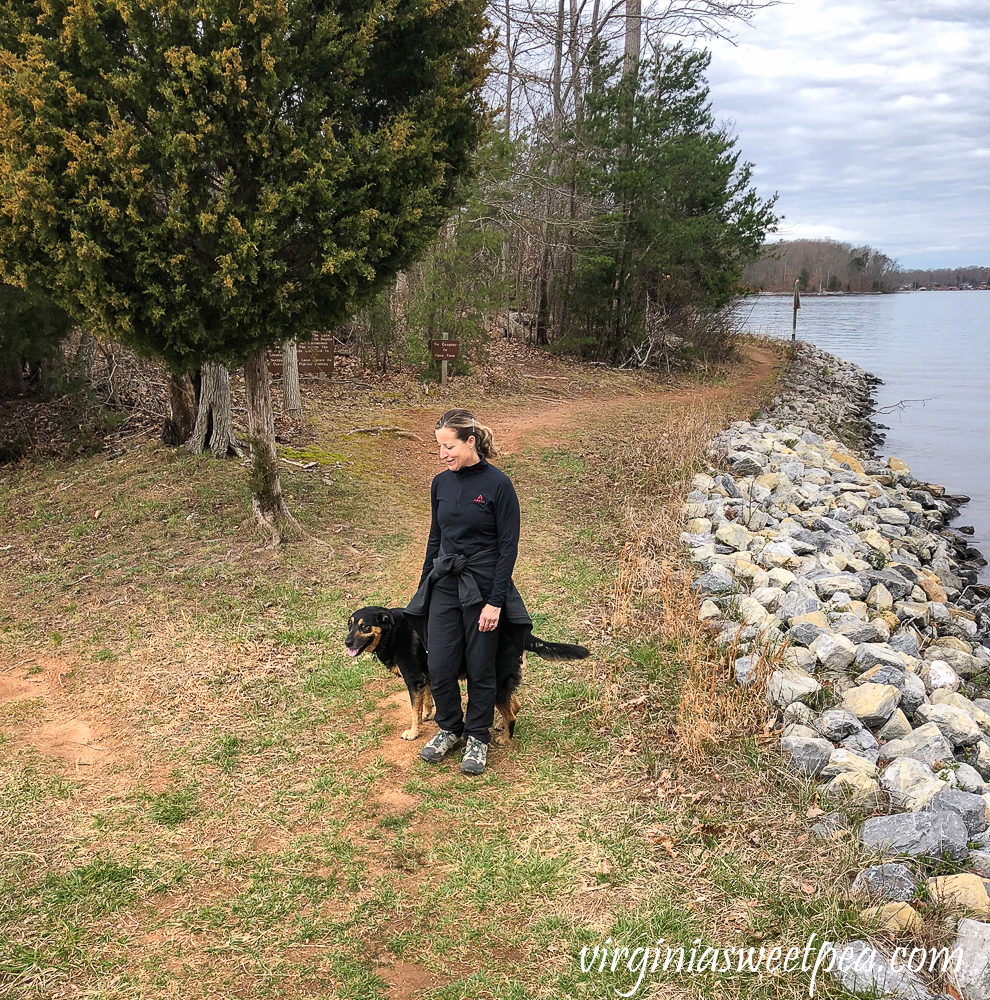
(870, 118)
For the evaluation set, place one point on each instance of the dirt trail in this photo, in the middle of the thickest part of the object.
(525, 423)
(522, 426)
(531, 423)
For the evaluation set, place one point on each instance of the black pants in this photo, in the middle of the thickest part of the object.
(455, 642)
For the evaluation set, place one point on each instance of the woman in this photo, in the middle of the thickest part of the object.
(466, 581)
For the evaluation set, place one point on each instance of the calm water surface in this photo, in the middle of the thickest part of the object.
(932, 350)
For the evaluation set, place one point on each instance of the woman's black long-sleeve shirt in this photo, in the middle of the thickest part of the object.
(476, 514)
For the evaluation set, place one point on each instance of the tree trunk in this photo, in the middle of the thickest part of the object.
(291, 395)
(82, 363)
(181, 420)
(266, 488)
(214, 426)
(558, 69)
(634, 37)
(11, 377)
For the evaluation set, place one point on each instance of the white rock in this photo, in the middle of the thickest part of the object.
(842, 761)
(788, 685)
(938, 674)
(834, 652)
(734, 535)
(910, 784)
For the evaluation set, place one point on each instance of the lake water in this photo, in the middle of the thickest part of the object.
(932, 350)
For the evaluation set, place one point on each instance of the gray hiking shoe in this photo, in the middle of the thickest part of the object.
(475, 757)
(439, 746)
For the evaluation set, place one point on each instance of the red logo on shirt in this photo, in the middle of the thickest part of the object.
(479, 499)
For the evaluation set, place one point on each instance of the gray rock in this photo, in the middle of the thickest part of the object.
(926, 744)
(971, 809)
(799, 714)
(807, 756)
(969, 779)
(883, 673)
(729, 485)
(718, 580)
(896, 585)
(747, 464)
(905, 641)
(931, 835)
(972, 970)
(837, 723)
(891, 882)
(860, 969)
(834, 826)
(746, 667)
(858, 631)
(799, 603)
(913, 693)
(804, 633)
(872, 654)
(798, 656)
(979, 862)
(978, 757)
(863, 742)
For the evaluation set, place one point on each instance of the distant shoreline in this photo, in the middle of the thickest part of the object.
(854, 295)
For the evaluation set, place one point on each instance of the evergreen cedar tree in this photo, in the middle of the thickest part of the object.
(206, 180)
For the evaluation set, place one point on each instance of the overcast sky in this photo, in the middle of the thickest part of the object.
(871, 118)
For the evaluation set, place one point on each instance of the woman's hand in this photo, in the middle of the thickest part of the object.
(489, 618)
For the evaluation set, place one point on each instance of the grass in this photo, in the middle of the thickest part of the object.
(249, 822)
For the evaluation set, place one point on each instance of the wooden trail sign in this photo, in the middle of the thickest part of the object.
(445, 350)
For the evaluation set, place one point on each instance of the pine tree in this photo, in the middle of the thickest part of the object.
(677, 216)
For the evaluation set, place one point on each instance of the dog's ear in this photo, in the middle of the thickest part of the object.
(383, 618)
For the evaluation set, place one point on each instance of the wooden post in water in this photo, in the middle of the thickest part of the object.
(797, 305)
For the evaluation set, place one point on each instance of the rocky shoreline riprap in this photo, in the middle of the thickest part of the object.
(836, 579)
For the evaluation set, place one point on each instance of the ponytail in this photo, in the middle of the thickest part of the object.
(465, 424)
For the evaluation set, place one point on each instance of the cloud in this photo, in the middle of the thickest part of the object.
(870, 119)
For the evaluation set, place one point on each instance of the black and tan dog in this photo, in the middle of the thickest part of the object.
(389, 634)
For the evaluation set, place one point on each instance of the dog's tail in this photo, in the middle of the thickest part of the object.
(555, 650)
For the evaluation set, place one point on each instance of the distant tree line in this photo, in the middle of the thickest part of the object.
(822, 265)
(946, 277)
(833, 266)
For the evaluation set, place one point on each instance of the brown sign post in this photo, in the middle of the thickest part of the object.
(443, 351)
